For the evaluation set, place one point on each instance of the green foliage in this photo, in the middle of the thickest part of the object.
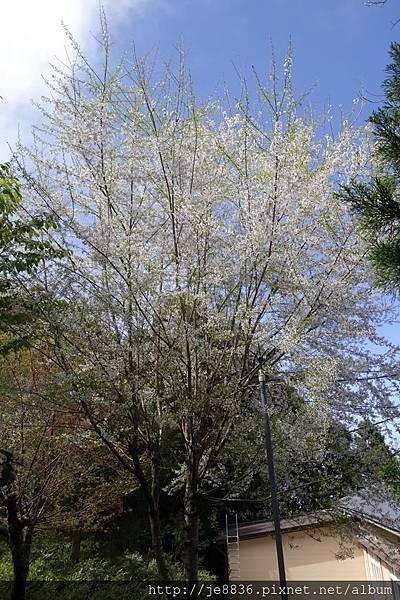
(96, 576)
(390, 473)
(371, 452)
(51, 563)
(377, 201)
(21, 250)
(23, 247)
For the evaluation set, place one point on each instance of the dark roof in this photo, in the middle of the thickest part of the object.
(375, 506)
(372, 505)
(261, 528)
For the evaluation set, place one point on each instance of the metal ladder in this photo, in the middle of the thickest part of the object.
(233, 549)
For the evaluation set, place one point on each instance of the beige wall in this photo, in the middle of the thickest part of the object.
(310, 555)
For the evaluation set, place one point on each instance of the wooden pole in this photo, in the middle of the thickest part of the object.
(272, 480)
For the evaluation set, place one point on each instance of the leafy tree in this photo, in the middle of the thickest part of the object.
(94, 488)
(54, 474)
(22, 249)
(31, 467)
(371, 453)
(320, 475)
(390, 473)
(376, 200)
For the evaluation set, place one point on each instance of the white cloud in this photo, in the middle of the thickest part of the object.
(32, 36)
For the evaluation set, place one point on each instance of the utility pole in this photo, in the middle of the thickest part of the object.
(274, 498)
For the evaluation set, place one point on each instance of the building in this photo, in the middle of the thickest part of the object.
(360, 542)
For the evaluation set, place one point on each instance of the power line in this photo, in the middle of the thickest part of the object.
(308, 483)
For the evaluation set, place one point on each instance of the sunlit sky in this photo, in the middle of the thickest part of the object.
(341, 45)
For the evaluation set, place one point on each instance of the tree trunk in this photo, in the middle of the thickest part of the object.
(156, 541)
(155, 517)
(20, 533)
(20, 557)
(76, 538)
(152, 494)
(191, 512)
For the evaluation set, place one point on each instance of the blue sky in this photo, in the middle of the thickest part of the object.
(341, 44)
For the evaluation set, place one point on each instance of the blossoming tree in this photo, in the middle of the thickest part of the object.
(198, 235)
